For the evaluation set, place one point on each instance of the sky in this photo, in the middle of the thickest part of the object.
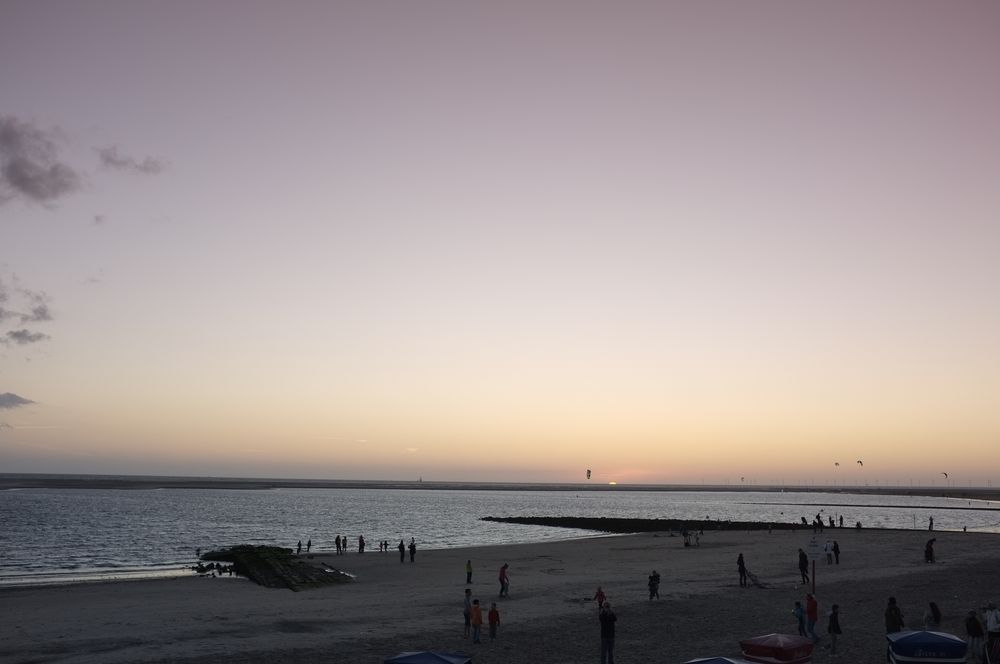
(672, 242)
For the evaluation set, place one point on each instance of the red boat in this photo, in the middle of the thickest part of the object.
(778, 649)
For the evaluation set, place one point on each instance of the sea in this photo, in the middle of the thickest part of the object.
(67, 535)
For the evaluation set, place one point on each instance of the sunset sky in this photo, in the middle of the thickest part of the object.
(677, 242)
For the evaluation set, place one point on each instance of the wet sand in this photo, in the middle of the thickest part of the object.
(549, 616)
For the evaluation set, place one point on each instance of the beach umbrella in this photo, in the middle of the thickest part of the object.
(788, 648)
(924, 646)
(426, 657)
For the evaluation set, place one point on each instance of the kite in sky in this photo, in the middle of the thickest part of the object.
(588, 473)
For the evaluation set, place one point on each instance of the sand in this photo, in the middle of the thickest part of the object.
(548, 617)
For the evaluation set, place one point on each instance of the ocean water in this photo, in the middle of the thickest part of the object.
(60, 535)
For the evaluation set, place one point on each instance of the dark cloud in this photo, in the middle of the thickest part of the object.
(110, 158)
(11, 400)
(23, 304)
(24, 337)
(39, 313)
(29, 165)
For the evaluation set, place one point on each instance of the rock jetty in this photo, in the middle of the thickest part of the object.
(276, 567)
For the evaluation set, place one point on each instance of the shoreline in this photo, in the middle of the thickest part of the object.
(394, 607)
(15, 481)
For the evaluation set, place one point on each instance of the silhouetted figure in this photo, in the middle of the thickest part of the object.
(298, 549)
(932, 617)
(336, 543)
(504, 580)
(836, 552)
(741, 567)
(608, 620)
(468, 572)
(361, 543)
(804, 566)
(413, 554)
(654, 585)
(893, 617)
(929, 550)
(402, 551)
(833, 628)
(309, 546)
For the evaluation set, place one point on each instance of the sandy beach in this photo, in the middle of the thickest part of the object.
(549, 616)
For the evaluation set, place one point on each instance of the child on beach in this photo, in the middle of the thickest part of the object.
(476, 618)
(494, 619)
(800, 618)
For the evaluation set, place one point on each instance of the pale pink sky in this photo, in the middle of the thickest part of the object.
(671, 241)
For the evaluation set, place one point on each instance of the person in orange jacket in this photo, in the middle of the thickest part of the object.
(476, 618)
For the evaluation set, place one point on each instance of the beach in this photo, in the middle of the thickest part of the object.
(549, 616)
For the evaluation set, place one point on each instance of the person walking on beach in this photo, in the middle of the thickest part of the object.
(828, 550)
(741, 567)
(812, 616)
(600, 598)
(893, 617)
(975, 633)
(298, 549)
(836, 552)
(800, 618)
(504, 579)
(804, 566)
(343, 542)
(608, 620)
(494, 620)
(833, 628)
(467, 612)
(992, 617)
(468, 572)
(654, 585)
(929, 550)
(402, 552)
(361, 543)
(309, 545)
(477, 621)
(932, 617)
(413, 550)
(336, 543)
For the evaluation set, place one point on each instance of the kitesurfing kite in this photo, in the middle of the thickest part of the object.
(861, 464)
(837, 464)
(945, 475)
(588, 473)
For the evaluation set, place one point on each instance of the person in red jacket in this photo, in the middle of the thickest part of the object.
(494, 618)
(812, 616)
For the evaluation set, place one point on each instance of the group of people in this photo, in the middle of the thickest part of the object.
(807, 617)
(474, 618)
(340, 543)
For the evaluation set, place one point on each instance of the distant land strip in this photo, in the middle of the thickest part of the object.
(618, 525)
(52, 481)
(626, 526)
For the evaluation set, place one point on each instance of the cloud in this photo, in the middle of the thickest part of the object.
(11, 400)
(110, 158)
(29, 164)
(24, 337)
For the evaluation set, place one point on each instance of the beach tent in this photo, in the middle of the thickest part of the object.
(778, 649)
(425, 657)
(923, 646)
